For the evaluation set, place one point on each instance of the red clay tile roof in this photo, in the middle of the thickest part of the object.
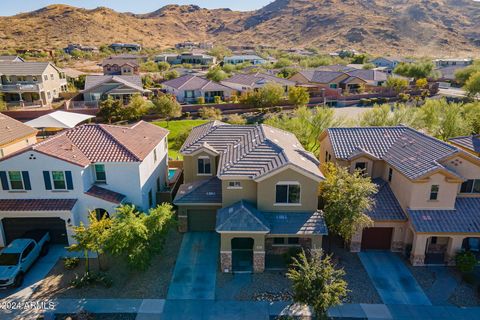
(37, 204)
(11, 130)
(92, 143)
(104, 194)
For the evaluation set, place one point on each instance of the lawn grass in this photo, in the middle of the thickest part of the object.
(177, 127)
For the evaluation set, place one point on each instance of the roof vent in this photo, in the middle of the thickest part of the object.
(210, 193)
(230, 210)
(281, 217)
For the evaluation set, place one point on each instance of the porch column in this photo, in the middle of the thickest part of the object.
(356, 241)
(182, 220)
(398, 240)
(417, 256)
(317, 243)
(259, 255)
(453, 247)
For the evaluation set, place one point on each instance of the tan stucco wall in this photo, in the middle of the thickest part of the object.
(368, 161)
(190, 166)
(231, 196)
(464, 167)
(420, 193)
(226, 240)
(9, 148)
(308, 192)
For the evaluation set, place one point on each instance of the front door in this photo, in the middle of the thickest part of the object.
(242, 254)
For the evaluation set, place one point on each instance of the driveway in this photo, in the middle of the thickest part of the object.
(392, 279)
(196, 267)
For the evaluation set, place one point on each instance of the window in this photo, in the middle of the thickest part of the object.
(434, 192)
(470, 186)
(390, 174)
(294, 241)
(204, 166)
(189, 94)
(58, 178)
(45, 77)
(16, 181)
(49, 95)
(100, 175)
(154, 155)
(158, 184)
(51, 76)
(278, 241)
(288, 193)
(34, 78)
(27, 250)
(362, 166)
(150, 198)
(333, 85)
(234, 185)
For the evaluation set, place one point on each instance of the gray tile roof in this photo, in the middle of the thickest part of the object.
(257, 80)
(409, 151)
(368, 75)
(387, 207)
(135, 82)
(251, 151)
(464, 219)
(191, 82)
(23, 68)
(207, 191)
(471, 143)
(321, 76)
(120, 62)
(243, 216)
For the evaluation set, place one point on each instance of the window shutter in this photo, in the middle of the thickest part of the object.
(46, 179)
(4, 180)
(26, 180)
(68, 177)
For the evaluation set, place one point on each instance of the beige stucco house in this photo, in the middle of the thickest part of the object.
(428, 204)
(254, 185)
(14, 135)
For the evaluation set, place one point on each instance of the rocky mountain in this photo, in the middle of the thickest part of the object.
(410, 27)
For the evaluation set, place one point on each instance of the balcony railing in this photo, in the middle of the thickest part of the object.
(83, 104)
(21, 87)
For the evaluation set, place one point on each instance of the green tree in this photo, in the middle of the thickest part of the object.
(171, 74)
(462, 75)
(317, 282)
(3, 104)
(465, 261)
(236, 119)
(416, 70)
(136, 108)
(360, 59)
(307, 124)
(110, 110)
(472, 86)
(210, 113)
(283, 63)
(347, 197)
(220, 52)
(298, 96)
(216, 74)
(270, 95)
(149, 66)
(168, 107)
(386, 115)
(163, 66)
(396, 84)
(368, 66)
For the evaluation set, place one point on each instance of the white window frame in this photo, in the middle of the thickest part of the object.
(53, 181)
(234, 185)
(288, 184)
(10, 182)
(95, 173)
(211, 169)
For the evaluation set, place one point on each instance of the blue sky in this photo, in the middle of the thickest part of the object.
(8, 8)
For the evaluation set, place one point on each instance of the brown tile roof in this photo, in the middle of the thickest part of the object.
(92, 143)
(105, 194)
(37, 204)
(11, 130)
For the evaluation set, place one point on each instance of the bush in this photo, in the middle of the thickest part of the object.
(374, 100)
(290, 254)
(187, 114)
(201, 100)
(70, 263)
(465, 261)
(468, 278)
(365, 101)
(210, 113)
(92, 278)
(217, 99)
(236, 119)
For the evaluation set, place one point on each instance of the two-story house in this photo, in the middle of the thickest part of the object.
(14, 135)
(428, 199)
(54, 184)
(31, 83)
(254, 185)
(120, 66)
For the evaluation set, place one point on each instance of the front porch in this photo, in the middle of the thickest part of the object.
(18, 100)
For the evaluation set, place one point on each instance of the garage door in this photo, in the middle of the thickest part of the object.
(16, 227)
(202, 220)
(377, 238)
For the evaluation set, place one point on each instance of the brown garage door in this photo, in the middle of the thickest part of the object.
(202, 220)
(377, 238)
(16, 227)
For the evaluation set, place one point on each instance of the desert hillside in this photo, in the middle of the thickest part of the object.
(409, 27)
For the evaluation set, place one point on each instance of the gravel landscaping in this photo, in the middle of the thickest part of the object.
(267, 286)
(359, 283)
(152, 283)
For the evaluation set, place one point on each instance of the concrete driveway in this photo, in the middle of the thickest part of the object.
(196, 267)
(392, 279)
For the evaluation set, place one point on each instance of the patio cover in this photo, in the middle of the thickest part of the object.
(58, 119)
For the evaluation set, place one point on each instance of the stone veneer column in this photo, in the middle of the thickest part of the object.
(258, 261)
(226, 261)
(417, 257)
(182, 224)
(397, 246)
(356, 241)
(454, 246)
